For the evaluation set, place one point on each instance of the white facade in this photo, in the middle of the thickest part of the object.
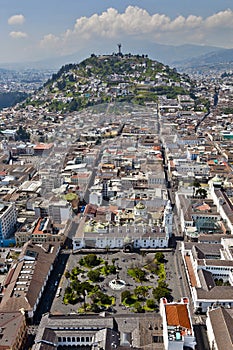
(223, 205)
(137, 230)
(117, 237)
(167, 219)
(198, 169)
(156, 179)
(60, 211)
(95, 198)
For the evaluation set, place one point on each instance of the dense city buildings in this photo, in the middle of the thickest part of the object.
(116, 219)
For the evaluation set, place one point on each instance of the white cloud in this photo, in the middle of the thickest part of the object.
(18, 35)
(49, 39)
(136, 24)
(220, 19)
(16, 20)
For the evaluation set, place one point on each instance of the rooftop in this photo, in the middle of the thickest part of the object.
(177, 315)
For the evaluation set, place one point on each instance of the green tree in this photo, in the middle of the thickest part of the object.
(67, 274)
(76, 271)
(137, 273)
(73, 106)
(22, 134)
(138, 307)
(75, 284)
(94, 275)
(68, 290)
(150, 303)
(112, 269)
(95, 308)
(91, 260)
(161, 292)
(85, 286)
(125, 295)
(104, 298)
(159, 256)
(61, 84)
(141, 291)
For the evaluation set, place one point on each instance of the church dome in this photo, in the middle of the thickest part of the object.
(140, 206)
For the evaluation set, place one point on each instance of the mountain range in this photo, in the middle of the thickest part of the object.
(184, 56)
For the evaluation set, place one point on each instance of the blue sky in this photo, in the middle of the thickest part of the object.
(32, 30)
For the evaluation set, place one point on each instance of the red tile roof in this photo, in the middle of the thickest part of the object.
(43, 146)
(36, 230)
(177, 315)
(191, 273)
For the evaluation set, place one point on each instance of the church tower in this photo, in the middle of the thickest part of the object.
(167, 219)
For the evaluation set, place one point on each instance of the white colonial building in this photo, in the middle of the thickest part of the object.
(209, 269)
(138, 231)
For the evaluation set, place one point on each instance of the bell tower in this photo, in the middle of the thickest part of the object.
(167, 219)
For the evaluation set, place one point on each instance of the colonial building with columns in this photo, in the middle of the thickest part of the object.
(133, 229)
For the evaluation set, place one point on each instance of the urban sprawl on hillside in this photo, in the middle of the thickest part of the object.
(116, 209)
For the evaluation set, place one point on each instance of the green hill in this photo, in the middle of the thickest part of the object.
(120, 78)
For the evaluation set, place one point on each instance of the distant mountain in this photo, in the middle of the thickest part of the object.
(167, 54)
(218, 59)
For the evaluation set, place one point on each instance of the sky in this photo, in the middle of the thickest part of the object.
(34, 30)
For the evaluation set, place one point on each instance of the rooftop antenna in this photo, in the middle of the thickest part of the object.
(119, 49)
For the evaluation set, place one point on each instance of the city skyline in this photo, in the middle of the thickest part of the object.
(44, 30)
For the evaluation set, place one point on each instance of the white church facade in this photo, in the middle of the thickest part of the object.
(137, 233)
